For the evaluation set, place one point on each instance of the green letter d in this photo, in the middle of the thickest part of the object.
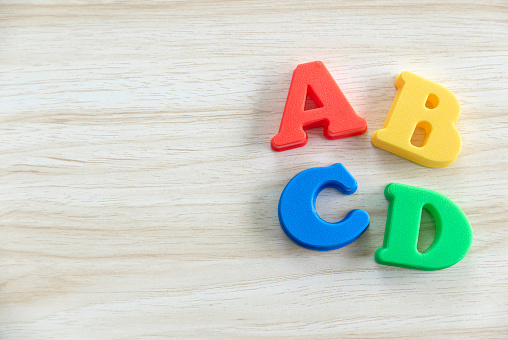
(453, 232)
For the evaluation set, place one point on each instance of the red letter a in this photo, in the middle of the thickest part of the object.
(333, 111)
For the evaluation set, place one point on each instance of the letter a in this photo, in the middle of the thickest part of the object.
(297, 210)
(333, 111)
(420, 103)
(453, 236)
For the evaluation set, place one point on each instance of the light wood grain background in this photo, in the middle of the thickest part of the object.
(139, 191)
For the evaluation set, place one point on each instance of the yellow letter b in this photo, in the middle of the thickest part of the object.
(423, 104)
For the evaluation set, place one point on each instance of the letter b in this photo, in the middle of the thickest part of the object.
(420, 103)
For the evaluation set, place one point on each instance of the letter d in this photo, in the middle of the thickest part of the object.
(453, 236)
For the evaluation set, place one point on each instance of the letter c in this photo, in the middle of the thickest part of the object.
(297, 210)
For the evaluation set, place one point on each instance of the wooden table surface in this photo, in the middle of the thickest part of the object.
(139, 190)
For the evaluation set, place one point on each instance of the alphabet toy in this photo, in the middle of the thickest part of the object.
(421, 103)
(333, 111)
(453, 232)
(301, 223)
(298, 216)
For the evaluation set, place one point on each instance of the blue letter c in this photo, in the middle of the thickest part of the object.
(298, 216)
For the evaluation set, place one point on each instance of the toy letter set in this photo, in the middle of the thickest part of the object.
(419, 103)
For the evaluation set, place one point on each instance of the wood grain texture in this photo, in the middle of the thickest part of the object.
(139, 191)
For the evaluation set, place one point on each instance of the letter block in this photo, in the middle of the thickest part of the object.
(424, 104)
(452, 240)
(333, 111)
(297, 209)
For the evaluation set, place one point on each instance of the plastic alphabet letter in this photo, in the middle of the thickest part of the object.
(298, 216)
(424, 104)
(333, 111)
(453, 236)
